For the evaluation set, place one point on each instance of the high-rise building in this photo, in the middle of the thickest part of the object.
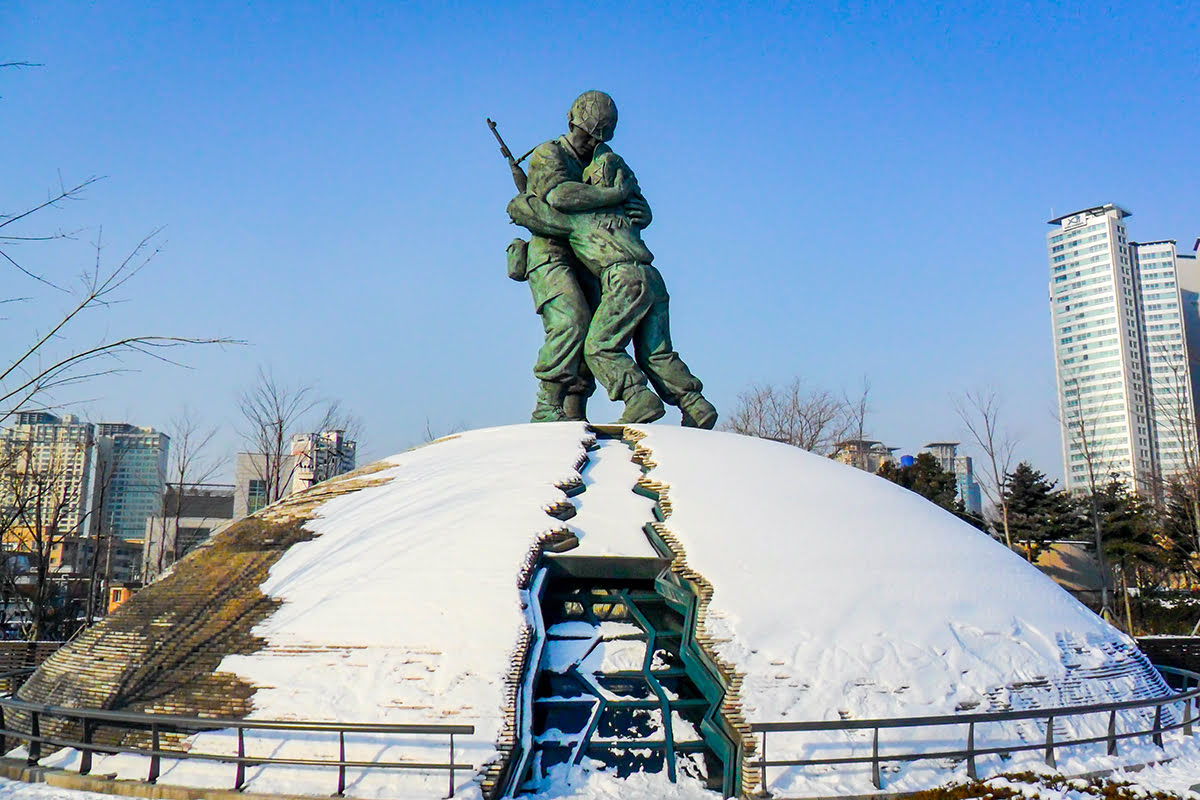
(1168, 367)
(1124, 385)
(967, 489)
(47, 464)
(131, 470)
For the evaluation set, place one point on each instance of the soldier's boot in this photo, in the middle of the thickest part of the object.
(641, 405)
(575, 406)
(697, 412)
(549, 406)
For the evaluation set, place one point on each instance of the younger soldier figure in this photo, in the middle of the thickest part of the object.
(634, 304)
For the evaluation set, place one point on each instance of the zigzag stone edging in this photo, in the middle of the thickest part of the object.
(554, 539)
(731, 706)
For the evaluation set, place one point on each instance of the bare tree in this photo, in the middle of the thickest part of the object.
(1099, 468)
(809, 418)
(29, 372)
(192, 466)
(856, 411)
(273, 412)
(107, 463)
(979, 411)
(43, 498)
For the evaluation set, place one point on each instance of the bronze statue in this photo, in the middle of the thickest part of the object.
(592, 279)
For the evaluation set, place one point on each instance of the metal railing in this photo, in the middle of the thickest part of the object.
(90, 721)
(1190, 700)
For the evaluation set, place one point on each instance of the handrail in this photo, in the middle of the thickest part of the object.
(1190, 700)
(156, 724)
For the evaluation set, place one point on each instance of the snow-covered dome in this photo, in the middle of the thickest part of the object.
(510, 577)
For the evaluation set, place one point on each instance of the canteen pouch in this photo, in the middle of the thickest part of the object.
(518, 259)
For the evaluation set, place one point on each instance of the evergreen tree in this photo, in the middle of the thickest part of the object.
(1037, 513)
(1129, 536)
(1179, 529)
(926, 477)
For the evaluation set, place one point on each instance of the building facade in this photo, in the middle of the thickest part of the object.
(187, 520)
(967, 489)
(312, 458)
(321, 456)
(1168, 366)
(1126, 405)
(865, 454)
(44, 488)
(131, 470)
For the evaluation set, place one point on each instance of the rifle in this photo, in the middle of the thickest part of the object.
(518, 174)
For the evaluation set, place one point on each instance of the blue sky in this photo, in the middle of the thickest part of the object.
(839, 190)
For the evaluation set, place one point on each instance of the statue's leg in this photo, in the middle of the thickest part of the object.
(575, 404)
(623, 302)
(656, 355)
(565, 315)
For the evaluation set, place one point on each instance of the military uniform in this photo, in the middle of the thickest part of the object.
(564, 294)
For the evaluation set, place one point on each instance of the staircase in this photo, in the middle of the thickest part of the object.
(611, 686)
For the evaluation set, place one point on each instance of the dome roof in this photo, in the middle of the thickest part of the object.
(825, 592)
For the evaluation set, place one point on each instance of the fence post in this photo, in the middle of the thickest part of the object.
(971, 773)
(451, 766)
(154, 762)
(35, 733)
(1112, 732)
(341, 763)
(240, 779)
(762, 769)
(875, 760)
(1158, 725)
(85, 758)
(1187, 718)
(1050, 742)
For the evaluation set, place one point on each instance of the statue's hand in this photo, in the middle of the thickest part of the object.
(625, 185)
(638, 210)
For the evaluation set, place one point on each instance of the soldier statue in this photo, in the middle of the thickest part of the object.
(592, 279)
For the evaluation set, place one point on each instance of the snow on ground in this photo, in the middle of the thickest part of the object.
(836, 593)
(610, 516)
(840, 594)
(1178, 777)
(404, 609)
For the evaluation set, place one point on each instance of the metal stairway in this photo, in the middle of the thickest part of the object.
(612, 687)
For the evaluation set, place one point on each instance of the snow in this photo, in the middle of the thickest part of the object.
(841, 595)
(403, 609)
(1178, 777)
(610, 516)
(836, 594)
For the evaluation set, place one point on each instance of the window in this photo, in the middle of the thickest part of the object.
(256, 497)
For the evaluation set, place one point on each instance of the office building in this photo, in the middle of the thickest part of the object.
(1160, 272)
(187, 520)
(1126, 403)
(865, 454)
(131, 469)
(967, 489)
(312, 458)
(321, 456)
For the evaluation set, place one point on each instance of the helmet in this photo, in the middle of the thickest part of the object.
(596, 113)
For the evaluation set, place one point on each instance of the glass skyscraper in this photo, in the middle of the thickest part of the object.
(1125, 398)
